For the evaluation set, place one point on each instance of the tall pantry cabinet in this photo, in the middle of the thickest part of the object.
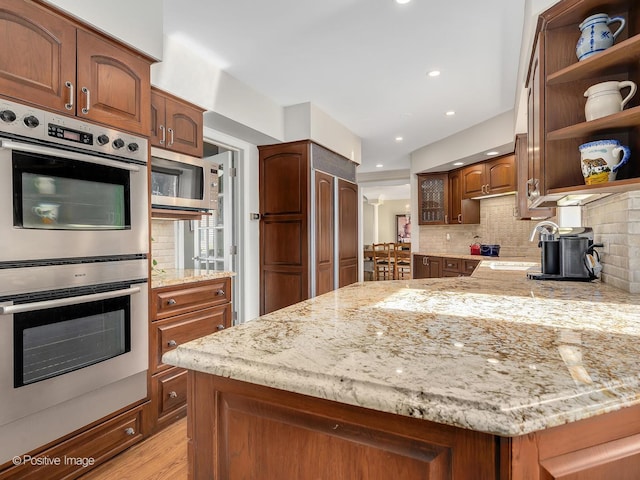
(308, 223)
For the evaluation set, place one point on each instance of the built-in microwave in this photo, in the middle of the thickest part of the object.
(183, 182)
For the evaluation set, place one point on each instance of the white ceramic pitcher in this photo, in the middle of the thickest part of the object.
(596, 36)
(604, 98)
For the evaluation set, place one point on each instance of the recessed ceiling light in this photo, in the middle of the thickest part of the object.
(457, 164)
(379, 165)
(402, 2)
(450, 113)
(399, 139)
(492, 152)
(434, 73)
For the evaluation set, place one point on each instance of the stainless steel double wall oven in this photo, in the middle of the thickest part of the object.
(73, 274)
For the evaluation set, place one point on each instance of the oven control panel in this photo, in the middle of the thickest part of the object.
(36, 124)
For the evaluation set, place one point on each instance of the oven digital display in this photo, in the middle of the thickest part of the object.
(71, 135)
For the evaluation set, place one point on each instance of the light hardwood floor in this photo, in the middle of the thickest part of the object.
(160, 457)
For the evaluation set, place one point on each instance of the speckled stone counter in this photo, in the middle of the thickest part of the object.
(493, 352)
(171, 277)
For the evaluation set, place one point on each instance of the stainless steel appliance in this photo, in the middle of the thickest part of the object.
(69, 188)
(66, 332)
(566, 253)
(183, 182)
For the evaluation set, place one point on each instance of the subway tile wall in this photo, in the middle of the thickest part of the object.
(498, 225)
(616, 223)
(163, 244)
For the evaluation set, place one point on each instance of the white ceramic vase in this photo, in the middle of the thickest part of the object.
(596, 35)
(605, 98)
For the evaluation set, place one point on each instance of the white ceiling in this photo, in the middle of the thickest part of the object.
(365, 62)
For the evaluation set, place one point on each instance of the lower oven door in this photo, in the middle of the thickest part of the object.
(59, 344)
(64, 204)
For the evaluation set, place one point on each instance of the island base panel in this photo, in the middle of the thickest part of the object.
(239, 430)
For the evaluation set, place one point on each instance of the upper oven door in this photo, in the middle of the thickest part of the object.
(66, 204)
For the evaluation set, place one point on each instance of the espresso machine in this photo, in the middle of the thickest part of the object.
(566, 253)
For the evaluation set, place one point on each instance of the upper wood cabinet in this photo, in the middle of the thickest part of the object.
(49, 61)
(489, 178)
(522, 200)
(556, 85)
(433, 198)
(176, 124)
(461, 210)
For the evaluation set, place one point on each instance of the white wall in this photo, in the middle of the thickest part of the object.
(306, 121)
(137, 23)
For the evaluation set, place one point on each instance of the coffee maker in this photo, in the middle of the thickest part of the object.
(566, 253)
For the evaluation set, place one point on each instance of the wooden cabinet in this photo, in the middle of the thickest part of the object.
(425, 266)
(458, 267)
(522, 201)
(180, 314)
(176, 124)
(461, 210)
(293, 267)
(556, 85)
(492, 177)
(99, 442)
(241, 430)
(54, 63)
(433, 198)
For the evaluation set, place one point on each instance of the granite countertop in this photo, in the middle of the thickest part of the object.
(493, 352)
(170, 277)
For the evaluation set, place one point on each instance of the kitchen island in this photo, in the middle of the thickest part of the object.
(488, 376)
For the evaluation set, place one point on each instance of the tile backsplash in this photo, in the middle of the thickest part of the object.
(616, 223)
(163, 245)
(498, 225)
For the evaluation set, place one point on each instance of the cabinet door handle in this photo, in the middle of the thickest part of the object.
(86, 108)
(69, 85)
(172, 343)
(459, 218)
(171, 301)
(446, 219)
(425, 261)
(220, 327)
(173, 395)
(488, 188)
(170, 130)
(130, 431)
(220, 293)
(164, 134)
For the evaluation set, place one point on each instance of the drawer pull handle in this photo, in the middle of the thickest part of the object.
(171, 301)
(172, 343)
(173, 395)
(220, 327)
(130, 431)
(220, 293)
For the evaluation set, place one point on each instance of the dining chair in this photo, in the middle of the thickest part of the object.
(402, 261)
(383, 261)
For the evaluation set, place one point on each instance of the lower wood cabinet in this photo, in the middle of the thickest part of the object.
(84, 449)
(180, 314)
(239, 430)
(427, 266)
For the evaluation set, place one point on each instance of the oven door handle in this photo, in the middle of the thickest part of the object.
(83, 157)
(61, 302)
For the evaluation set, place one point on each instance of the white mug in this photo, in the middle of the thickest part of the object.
(45, 185)
(600, 160)
(48, 212)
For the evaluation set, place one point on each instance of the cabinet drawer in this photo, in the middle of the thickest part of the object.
(468, 266)
(99, 443)
(168, 334)
(451, 264)
(170, 388)
(169, 301)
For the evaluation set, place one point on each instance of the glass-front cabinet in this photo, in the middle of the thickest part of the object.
(433, 198)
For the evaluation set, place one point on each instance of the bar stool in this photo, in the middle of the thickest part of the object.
(402, 261)
(383, 261)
